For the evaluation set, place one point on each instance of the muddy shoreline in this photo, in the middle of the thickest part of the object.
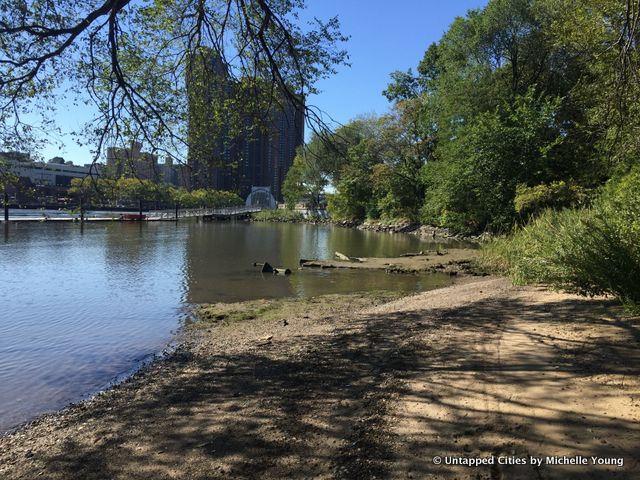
(362, 386)
(458, 261)
(452, 261)
(425, 232)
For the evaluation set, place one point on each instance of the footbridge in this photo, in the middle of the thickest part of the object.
(202, 213)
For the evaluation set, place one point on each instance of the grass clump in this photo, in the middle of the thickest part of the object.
(590, 251)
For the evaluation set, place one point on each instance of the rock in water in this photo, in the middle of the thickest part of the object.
(342, 256)
(281, 271)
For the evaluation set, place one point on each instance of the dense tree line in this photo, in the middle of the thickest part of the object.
(131, 191)
(520, 106)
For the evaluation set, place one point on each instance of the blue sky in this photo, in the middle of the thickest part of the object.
(385, 36)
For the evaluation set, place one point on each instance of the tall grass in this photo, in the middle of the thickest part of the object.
(588, 251)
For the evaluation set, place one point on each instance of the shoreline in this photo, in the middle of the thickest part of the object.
(452, 261)
(356, 386)
(410, 266)
(424, 232)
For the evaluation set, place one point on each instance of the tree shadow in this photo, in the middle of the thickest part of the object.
(377, 398)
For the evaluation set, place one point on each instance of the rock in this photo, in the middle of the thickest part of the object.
(342, 256)
(281, 271)
(266, 268)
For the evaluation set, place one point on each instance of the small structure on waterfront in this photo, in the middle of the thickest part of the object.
(261, 197)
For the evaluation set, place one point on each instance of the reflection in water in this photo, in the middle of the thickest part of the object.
(81, 306)
(220, 258)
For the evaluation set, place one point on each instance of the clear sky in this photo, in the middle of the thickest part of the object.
(386, 35)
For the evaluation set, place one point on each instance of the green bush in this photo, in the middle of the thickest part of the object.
(280, 215)
(533, 200)
(588, 251)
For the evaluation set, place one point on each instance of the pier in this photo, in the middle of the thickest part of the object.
(204, 214)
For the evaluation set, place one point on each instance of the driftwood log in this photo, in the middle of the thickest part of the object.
(411, 254)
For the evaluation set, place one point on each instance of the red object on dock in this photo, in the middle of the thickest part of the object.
(130, 217)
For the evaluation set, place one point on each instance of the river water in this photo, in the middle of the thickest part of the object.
(81, 307)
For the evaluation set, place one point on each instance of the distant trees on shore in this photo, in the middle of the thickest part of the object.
(129, 191)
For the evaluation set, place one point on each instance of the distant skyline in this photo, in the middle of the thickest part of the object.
(385, 37)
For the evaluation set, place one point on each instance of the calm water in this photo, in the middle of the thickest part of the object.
(80, 307)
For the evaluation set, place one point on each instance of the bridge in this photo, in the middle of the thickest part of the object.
(225, 213)
(204, 213)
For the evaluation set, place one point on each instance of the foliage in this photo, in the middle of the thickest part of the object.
(305, 180)
(278, 215)
(530, 201)
(472, 185)
(130, 60)
(377, 175)
(590, 251)
(128, 191)
(7, 177)
(501, 110)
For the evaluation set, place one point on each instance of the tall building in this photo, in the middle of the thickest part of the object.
(133, 162)
(235, 152)
(267, 153)
(212, 147)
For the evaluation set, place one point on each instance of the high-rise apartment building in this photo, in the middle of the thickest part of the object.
(238, 153)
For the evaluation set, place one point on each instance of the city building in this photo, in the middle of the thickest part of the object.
(240, 153)
(55, 173)
(133, 162)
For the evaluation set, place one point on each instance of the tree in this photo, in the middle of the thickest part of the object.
(7, 179)
(305, 181)
(473, 185)
(130, 61)
(134, 190)
(603, 37)
(83, 188)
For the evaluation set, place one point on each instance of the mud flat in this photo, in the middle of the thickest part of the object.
(364, 386)
(452, 261)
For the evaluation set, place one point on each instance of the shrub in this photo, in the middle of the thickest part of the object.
(279, 215)
(590, 251)
(533, 200)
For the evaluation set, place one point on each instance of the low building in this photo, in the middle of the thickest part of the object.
(54, 173)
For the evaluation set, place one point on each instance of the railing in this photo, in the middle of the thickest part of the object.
(200, 212)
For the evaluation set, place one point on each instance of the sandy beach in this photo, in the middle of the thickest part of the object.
(366, 386)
